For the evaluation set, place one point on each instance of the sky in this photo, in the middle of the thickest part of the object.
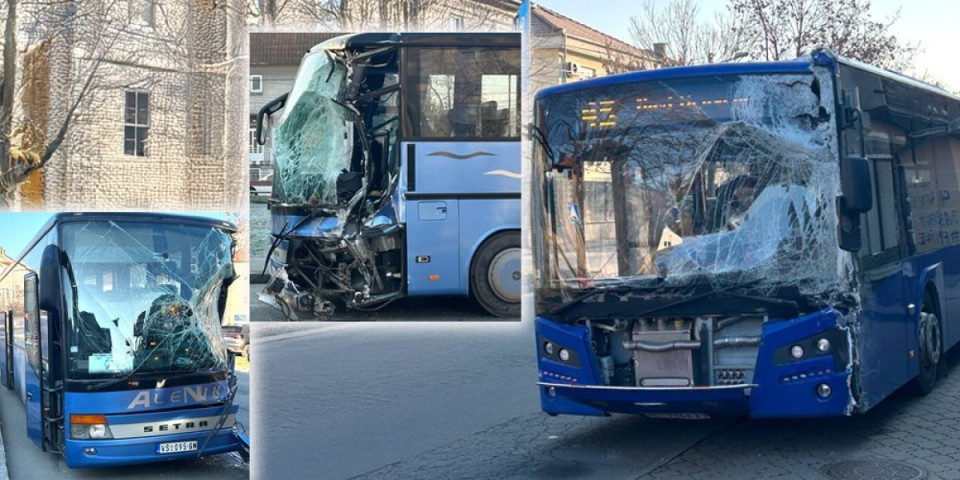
(926, 21)
(17, 229)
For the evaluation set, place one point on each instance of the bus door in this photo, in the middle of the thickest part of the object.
(6, 362)
(460, 116)
(33, 349)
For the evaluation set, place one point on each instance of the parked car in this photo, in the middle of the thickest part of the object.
(237, 339)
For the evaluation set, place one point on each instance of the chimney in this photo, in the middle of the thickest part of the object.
(660, 50)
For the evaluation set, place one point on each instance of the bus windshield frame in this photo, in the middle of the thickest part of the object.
(143, 299)
(723, 180)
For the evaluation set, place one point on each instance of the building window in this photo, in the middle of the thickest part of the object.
(457, 23)
(142, 12)
(256, 83)
(136, 123)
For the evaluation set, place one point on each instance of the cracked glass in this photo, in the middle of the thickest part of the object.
(146, 297)
(720, 179)
(313, 139)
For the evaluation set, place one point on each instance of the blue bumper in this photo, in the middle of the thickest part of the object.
(779, 388)
(110, 453)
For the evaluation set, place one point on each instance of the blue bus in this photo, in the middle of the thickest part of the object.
(110, 336)
(397, 173)
(773, 239)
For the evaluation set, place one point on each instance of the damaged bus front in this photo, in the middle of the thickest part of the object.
(372, 203)
(707, 243)
(115, 346)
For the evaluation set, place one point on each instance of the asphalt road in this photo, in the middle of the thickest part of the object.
(445, 400)
(463, 395)
(25, 461)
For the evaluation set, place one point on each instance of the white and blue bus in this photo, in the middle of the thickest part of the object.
(774, 239)
(397, 173)
(110, 336)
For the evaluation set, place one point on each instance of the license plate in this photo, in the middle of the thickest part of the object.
(177, 447)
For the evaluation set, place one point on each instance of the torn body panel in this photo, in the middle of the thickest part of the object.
(336, 232)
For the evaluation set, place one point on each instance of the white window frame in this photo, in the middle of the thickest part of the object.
(259, 79)
(136, 125)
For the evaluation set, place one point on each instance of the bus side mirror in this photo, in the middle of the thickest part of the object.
(266, 111)
(50, 286)
(855, 185)
(848, 230)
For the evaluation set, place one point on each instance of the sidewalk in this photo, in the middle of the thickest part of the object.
(256, 267)
(3, 462)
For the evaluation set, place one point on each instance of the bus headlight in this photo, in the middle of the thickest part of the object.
(87, 427)
(548, 348)
(796, 351)
(823, 345)
(564, 355)
(98, 431)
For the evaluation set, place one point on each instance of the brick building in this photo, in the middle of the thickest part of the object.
(161, 125)
(566, 50)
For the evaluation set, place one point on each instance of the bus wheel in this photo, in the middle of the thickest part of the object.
(929, 342)
(495, 275)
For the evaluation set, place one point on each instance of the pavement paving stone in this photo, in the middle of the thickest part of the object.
(920, 431)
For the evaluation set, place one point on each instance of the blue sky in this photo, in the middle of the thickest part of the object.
(929, 22)
(17, 229)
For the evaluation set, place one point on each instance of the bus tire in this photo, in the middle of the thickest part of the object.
(929, 346)
(495, 275)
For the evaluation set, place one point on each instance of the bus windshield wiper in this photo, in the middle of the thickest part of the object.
(539, 136)
(101, 384)
(633, 287)
(587, 292)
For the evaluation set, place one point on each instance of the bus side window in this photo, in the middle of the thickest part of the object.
(463, 93)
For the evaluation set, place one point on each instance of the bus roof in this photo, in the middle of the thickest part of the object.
(805, 64)
(360, 41)
(793, 66)
(67, 217)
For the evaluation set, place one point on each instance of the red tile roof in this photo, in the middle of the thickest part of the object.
(578, 30)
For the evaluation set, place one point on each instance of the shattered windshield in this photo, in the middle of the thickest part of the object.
(728, 179)
(147, 297)
(313, 140)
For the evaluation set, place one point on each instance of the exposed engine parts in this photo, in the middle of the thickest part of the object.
(678, 352)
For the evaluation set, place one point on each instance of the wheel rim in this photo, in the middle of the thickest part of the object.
(503, 275)
(929, 339)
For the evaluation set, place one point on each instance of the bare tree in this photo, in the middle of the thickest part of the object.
(687, 39)
(784, 29)
(380, 15)
(99, 48)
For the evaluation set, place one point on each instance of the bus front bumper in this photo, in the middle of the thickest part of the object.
(130, 451)
(687, 402)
